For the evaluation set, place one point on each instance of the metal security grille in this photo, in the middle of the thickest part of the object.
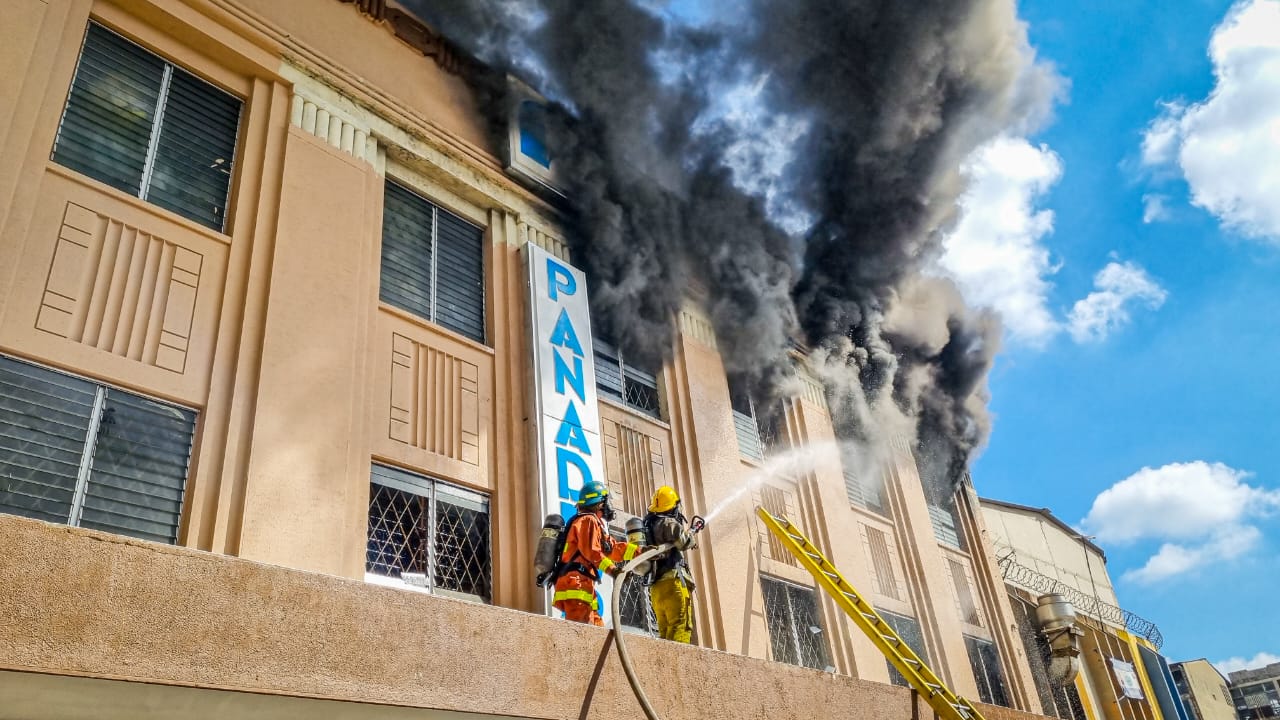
(428, 534)
(909, 630)
(432, 263)
(985, 663)
(149, 128)
(627, 384)
(795, 632)
(78, 453)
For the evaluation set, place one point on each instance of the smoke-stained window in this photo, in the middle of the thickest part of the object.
(149, 128)
(428, 535)
(909, 630)
(432, 263)
(985, 663)
(622, 382)
(78, 453)
(759, 429)
(795, 632)
(865, 489)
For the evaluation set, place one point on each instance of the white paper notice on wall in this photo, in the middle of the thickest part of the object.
(564, 374)
(1127, 679)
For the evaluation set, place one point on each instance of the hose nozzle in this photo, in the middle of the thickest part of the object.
(697, 524)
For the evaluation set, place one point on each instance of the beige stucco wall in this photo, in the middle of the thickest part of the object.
(277, 339)
(81, 602)
(1209, 691)
(1049, 550)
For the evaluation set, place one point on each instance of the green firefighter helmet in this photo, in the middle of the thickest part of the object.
(593, 494)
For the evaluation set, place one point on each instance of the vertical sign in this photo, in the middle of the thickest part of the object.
(567, 416)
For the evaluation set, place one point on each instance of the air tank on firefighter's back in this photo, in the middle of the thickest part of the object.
(637, 535)
(548, 549)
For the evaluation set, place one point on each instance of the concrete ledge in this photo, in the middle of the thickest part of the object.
(84, 603)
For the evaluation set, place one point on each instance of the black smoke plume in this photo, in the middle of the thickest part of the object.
(672, 195)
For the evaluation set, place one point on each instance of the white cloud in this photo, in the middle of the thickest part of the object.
(1155, 207)
(1201, 510)
(1232, 664)
(995, 253)
(1227, 146)
(1117, 287)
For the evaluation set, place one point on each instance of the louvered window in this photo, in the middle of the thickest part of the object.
(750, 443)
(432, 263)
(864, 491)
(964, 593)
(624, 383)
(428, 535)
(78, 453)
(882, 562)
(149, 128)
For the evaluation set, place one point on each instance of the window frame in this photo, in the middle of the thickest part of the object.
(992, 686)
(788, 589)
(428, 488)
(156, 133)
(409, 186)
(606, 353)
(89, 447)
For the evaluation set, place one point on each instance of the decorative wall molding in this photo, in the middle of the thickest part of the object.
(695, 326)
(812, 390)
(552, 244)
(435, 400)
(121, 289)
(320, 118)
(414, 32)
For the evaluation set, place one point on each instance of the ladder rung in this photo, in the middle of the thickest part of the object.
(916, 663)
(892, 639)
(874, 618)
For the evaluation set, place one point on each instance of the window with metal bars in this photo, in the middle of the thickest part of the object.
(624, 383)
(635, 606)
(909, 630)
(985, 662)
(775, 501)
(795, 630)
(428, 535)
(149, 128)
(432, 263)
(83, 454)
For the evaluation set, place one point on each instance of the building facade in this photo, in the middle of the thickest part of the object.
(1256, 693)
(1121, 675)
(267, 435)
(1203, 690)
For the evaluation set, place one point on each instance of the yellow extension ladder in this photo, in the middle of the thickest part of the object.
(944, 702)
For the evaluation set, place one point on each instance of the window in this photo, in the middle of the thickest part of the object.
(886, 578)
(428, 535)
(79, 453)
(964, 594)
(795, 632)
(985, 662)
(775, 501)
(909, 630)
(432, 263)
(863, 492)
(149, 128)
(758, 431)
(627, 384)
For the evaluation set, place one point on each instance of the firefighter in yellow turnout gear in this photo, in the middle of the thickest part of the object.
(671, 592)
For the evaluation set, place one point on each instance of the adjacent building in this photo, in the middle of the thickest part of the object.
(1203, 690)
(1256, 693)
(1120, 674)
(271, 437)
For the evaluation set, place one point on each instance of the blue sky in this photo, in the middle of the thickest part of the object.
(1132, 247)
(1190, 381)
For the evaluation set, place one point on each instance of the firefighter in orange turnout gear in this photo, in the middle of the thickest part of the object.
(588, 551)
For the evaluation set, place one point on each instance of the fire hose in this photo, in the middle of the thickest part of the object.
(696, 526)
